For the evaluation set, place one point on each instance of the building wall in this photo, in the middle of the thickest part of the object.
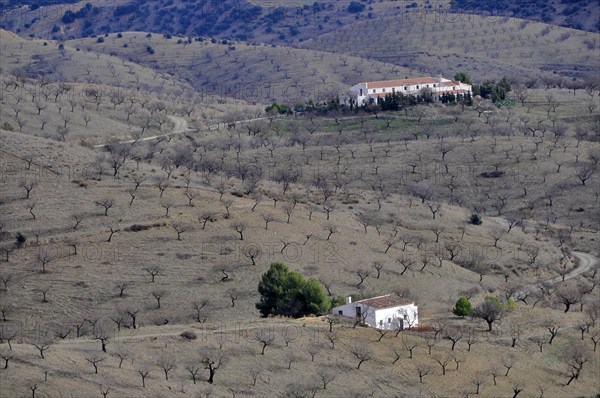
(349, 310)
(392, 318)
(379, 318)
(412, 89)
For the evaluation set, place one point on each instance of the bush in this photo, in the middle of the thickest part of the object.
(356, 7)
(149, 50)
(20, 239)
(8, 127)
(475, 219)
(189, 335)
(100, 40)
(462, 307)
(288, 293)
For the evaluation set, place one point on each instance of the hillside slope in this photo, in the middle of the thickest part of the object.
(486, 47)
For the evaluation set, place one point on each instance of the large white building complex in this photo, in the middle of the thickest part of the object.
(362, 93)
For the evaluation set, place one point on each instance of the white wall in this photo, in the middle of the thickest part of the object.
(390, 318)
(373, 317)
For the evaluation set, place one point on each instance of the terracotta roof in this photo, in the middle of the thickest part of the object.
(387, 301)
(401, 82)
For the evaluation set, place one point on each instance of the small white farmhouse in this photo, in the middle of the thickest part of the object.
(383, 312)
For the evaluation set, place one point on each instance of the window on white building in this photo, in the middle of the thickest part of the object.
(383, 90)
(389, 320)
(417, 87)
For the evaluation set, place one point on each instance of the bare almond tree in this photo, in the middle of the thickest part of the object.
(212, 359)
(264, 337)
(167, 363)
(94, 360)
(362, 352)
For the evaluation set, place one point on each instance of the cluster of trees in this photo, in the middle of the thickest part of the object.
(288, 293)
(495, 91)
(490, 310)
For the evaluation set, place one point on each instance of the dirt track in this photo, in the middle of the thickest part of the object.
(586, 262)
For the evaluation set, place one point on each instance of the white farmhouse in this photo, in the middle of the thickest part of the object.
(383, 312)
(362, 93)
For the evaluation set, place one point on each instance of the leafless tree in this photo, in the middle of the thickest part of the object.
(30, 206)
(362, 275)
(252, 252)
(158, 295)
(43, 257)
(153, 271)
(434, 207)
(443, 361)
(267, 217)
(362, 352)
(106, 203)
(28, 185)
(94, 360)
(212, 359)
(332, 336)
(42, 343)
(410, 348)
(200, 310)
(508, 361)
(167, 363)
(227, 203)
(6, 357)
(102, 333)
(331, 229)
(205, 217)
(327, 375)
(313, 349)
(112, 232)
(239, 227)
(422, 371)
(166, 204)
(377, 266)
(179, 229)
(553, 329)
(569, 295)
(453, 334)
(144, 370)
(584, 172)
(264, 337)
(254, 373)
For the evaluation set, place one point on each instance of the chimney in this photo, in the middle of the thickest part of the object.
(439, 78)
(349, 300)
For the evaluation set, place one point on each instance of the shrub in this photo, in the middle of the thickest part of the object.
(475, 219)
(149, 50)
(189, 334)
(8, 127)
(20, 239)
(355, 7)
(100, 40)
(462, 307)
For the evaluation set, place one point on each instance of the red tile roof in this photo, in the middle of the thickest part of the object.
(401, 82)
(387, 301)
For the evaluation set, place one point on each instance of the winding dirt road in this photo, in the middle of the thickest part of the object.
(586, 262)
(180, 127)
